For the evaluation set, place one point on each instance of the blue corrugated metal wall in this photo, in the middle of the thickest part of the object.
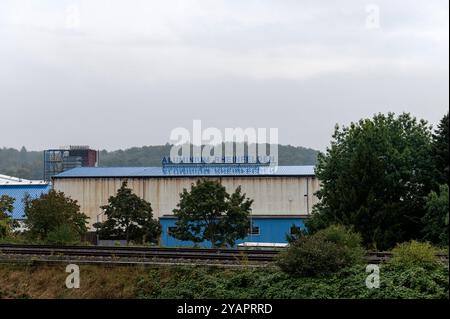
(271, 230)
(18, 192)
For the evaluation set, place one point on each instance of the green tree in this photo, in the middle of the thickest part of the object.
(208, 213)
(128, 217)
(50, 212)
(436, 218)
(375, 177)
(441, 151)
(6, 222)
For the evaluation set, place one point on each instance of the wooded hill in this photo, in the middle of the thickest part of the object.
(29, 164)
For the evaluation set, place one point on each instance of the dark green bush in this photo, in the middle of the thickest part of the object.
(341, 235)
(344, 237)
(322, 253)
(311, 256)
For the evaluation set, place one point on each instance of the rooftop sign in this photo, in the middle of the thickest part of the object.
(232, 165)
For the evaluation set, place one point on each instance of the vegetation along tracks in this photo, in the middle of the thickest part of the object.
(139, 255)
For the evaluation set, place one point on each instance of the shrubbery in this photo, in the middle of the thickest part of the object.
(16, 281)
(63, 235)
(344, 237)
(322, 253)
(201, 283)
(414, 254)
(310, 256)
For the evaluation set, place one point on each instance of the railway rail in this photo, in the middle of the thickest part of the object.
(138, 255)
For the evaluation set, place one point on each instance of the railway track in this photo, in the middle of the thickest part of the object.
(153, 254)
(141, 253)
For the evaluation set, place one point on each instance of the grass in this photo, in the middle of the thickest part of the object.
(30, 281)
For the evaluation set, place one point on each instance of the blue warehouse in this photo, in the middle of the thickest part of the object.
(266, 229)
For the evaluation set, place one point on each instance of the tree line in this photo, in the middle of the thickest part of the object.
(30, 164)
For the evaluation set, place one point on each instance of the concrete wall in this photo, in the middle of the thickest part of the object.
(272, 195)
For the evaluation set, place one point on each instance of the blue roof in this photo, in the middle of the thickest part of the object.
(18, 193)
(186, 171)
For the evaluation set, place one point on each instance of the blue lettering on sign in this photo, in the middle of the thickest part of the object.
(210, 170)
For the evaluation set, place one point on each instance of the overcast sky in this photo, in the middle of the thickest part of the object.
(116, 74)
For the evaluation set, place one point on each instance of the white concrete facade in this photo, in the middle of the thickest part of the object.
(277, 195)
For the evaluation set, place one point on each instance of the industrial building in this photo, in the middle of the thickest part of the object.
(17, 188)
(55, 162)
(282, 198)
(67, 157)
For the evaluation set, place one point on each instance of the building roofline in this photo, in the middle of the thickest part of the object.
(160, 172)
(184, 176)
(6, 180)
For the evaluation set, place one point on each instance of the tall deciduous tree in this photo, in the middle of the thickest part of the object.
(208, 213)
(375, 177)
(129, 217)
